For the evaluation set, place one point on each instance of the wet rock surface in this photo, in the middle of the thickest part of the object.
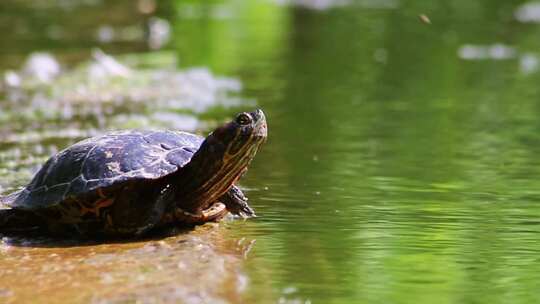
(199, 266)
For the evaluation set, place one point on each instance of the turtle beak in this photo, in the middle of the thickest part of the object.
(260, 128)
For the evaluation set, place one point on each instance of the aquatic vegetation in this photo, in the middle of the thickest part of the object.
(98, 86)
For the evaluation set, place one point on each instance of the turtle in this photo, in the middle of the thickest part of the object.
(132, 182)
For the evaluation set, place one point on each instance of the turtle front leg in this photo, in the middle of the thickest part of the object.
(236, 203)
(233, 201)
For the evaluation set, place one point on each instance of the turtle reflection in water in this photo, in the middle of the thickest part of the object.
(127, 183)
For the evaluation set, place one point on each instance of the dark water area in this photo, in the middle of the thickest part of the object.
(401, 164)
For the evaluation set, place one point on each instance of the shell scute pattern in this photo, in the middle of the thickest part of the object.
(106, 160)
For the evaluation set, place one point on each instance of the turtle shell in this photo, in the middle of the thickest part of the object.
(105, 161)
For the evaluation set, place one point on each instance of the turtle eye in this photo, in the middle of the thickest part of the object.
(243, 119)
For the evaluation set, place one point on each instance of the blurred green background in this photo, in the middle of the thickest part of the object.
(401, 165)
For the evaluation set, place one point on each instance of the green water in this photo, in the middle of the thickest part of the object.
(396, 171)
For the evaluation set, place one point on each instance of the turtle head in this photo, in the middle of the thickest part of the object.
(240, 138)
(222, 158)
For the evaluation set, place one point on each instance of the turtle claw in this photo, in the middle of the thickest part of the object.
(241, 208)
(246, 212)
(236, 203)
